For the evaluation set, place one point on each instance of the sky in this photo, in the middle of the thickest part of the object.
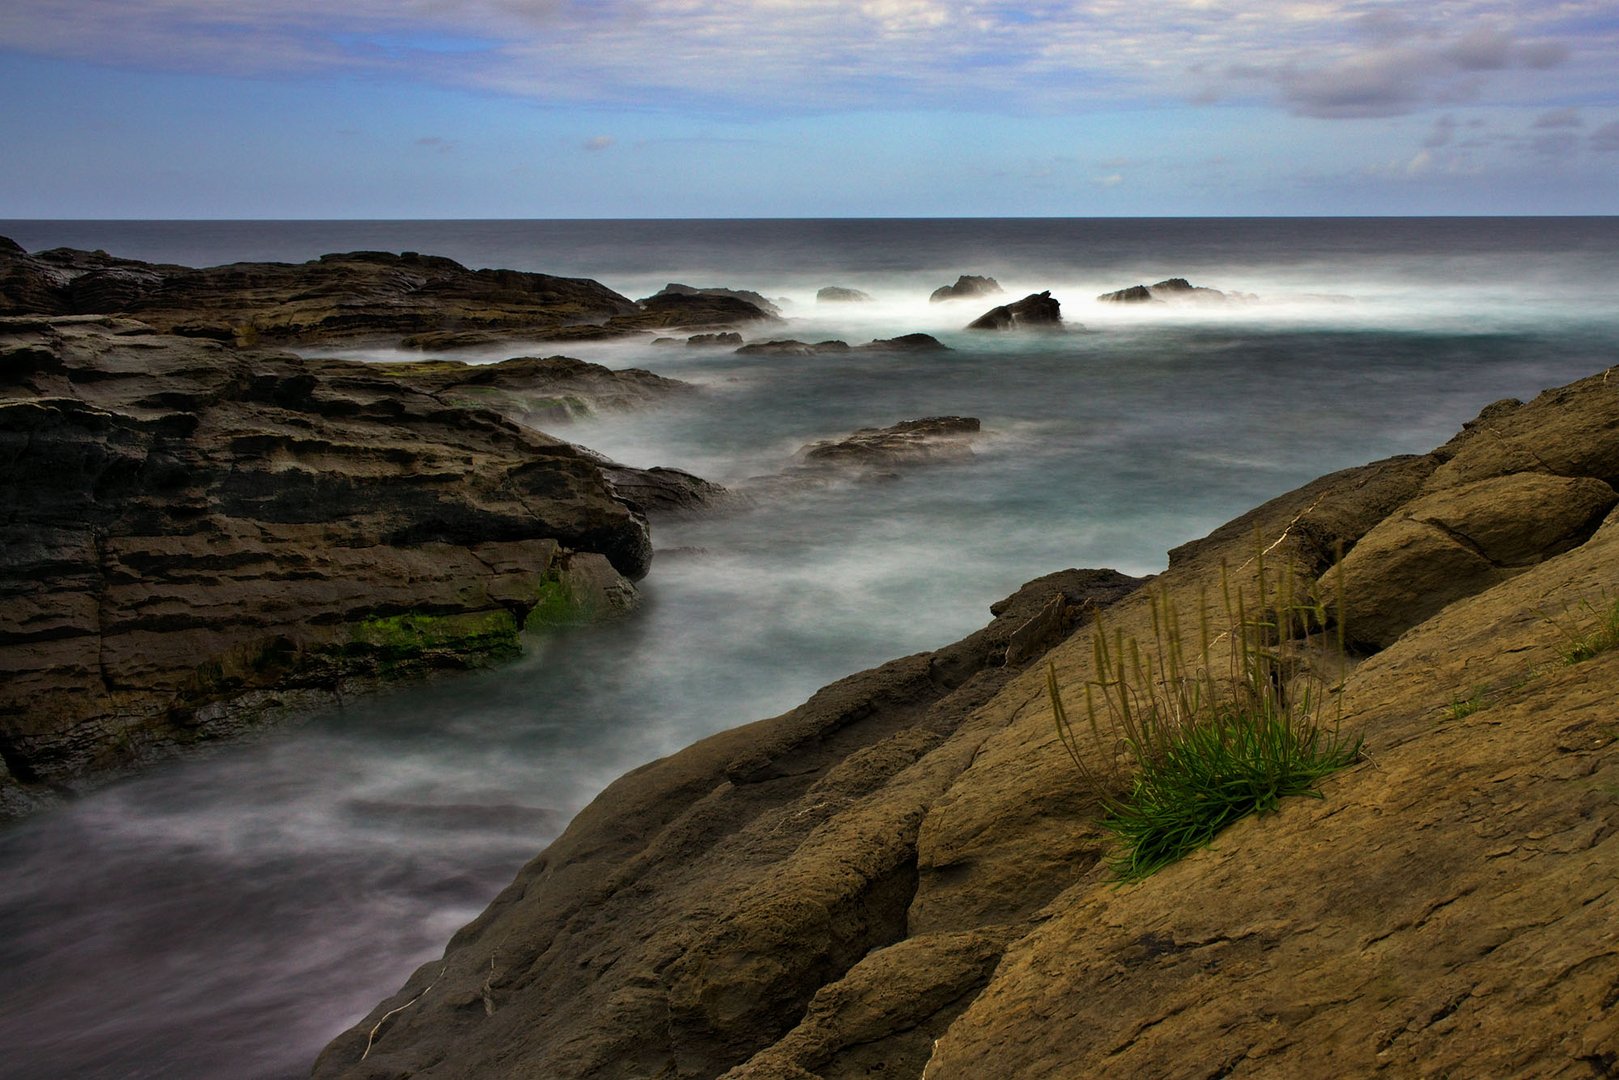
(806, 108)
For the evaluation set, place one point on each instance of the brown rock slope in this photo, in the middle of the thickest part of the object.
(193, 537)
(902, 877)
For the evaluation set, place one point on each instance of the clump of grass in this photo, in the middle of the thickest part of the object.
(1178, 751)
(1595, 631)
(1460, 708)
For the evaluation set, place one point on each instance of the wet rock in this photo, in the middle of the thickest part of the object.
(836, 294)
(197, 538)
(921, 343)
(931, 439)
(792, 347)
(1037, 310)
(539, 392)
(966, 287)
(715, 341)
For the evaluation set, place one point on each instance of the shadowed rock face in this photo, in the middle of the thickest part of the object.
(196, 536)
(1034, 310)
(748, 295)
(966, 286)
(902, 876)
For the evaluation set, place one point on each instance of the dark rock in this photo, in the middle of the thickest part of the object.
(664, 492)
(791, 347)
(758, 301)
(8, 246)
(835, 294)
(196, 537)
(932, 439)
(905, 343)
(1034, 310)
(538, 391)
(966, 287)
(1171, 290)
(729, 338)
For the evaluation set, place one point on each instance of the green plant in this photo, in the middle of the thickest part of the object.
(1200, 749)
(1593, 629)
(1461, 708)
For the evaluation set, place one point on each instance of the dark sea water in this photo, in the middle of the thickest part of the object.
(224, 916)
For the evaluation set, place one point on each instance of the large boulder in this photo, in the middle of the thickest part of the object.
(1037, 310)
(197, 537)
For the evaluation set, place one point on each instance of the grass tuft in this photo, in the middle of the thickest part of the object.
(1201, 749)
(1600, 632)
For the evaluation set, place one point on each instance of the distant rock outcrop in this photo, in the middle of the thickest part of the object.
(966, 287)
(918, 343)
(767, 306)
(1037, 310)
(1172, 290)
(196, 537)
(836, 294)
(792, 347)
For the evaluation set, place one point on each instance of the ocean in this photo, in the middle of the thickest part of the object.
(225, 915)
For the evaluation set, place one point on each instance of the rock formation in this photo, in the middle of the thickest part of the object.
(966, 287)
(1038, 310)
(836, 294)
(903, 876)
(769, 307)
(792, 347)
(197, 536)
(419, 301)
(1172, 290)
(537, 391)
(933, 438)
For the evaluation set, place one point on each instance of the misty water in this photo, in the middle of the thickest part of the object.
(225, 915)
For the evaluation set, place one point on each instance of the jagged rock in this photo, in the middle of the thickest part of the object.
(903, 875)
(196, 537)
(1172, 290)
(721, 340)
(1034, 310)
(661, 491)
(836, 294)
(792, 347)
(748, 295)
(966, 286)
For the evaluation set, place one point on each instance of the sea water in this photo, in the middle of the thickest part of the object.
(225, 915)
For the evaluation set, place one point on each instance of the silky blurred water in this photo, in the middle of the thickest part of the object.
(225, 915)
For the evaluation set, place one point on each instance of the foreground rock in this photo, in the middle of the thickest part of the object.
(1037, 310)
(197, 538)
(1174, 290)
(902, 876)
(966, 287)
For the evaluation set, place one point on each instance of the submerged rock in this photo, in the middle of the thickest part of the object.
(792, 347)
(905, 343)
(910, 442)
(198, 537)
(966, 287)
(836, 294)
(1034, 310)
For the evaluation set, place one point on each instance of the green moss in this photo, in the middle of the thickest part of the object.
(404, 640)
(555, 604)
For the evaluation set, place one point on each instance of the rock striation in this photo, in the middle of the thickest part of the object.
(903, 875)
(1037, 310)
(197, 537)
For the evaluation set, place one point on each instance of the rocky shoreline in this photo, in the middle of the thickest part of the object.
(902, 876)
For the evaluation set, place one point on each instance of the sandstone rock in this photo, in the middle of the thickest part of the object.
(902, 876)
(966, 287)
(1034, 310)
(836, 294)
(196, 537)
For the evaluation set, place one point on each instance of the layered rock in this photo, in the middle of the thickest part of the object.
(909, 442)
(904, 875)
(419, 301)
(966, 287)
(1037, 310)
(196, 537)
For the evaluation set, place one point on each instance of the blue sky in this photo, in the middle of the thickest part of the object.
(785, 108)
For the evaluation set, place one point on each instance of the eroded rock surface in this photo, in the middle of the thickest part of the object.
(196, 536)
(902, 876)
